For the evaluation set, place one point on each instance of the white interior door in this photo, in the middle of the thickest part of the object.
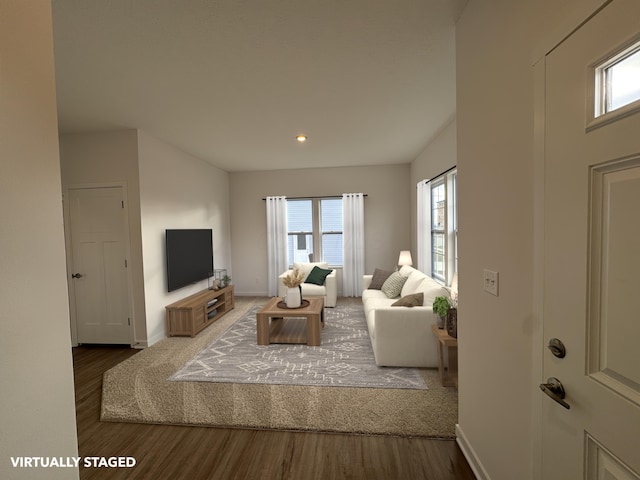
(99, 276)
(592, 260)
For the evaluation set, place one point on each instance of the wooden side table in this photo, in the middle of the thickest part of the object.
(450, 378)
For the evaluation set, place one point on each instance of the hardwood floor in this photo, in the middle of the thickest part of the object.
(180, 452)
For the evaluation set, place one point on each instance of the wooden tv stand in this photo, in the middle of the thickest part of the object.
(191, 315)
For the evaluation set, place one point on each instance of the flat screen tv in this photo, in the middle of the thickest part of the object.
(189, 256)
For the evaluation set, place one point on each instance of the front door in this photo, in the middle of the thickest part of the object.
(99, 280)
(592, 256)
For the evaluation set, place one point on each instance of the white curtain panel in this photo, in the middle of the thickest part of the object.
(424, 226)
(276, 242)
(353, 238)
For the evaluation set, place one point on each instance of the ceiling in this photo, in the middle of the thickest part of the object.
(234, 81)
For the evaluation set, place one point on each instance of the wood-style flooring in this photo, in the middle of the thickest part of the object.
(183, 452)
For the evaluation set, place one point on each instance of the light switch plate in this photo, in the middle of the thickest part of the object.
(491, 282)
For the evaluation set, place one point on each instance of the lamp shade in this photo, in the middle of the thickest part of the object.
(405, 258)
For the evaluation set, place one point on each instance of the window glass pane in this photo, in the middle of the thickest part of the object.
(331, 212)
(437, 207)
(300, 227)
(299, 216)
(300, 247)
(331, 226)
(623, 82)
(437, 255)
(332, 248)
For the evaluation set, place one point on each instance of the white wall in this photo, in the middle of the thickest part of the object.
(499, 337)
(37, 414)
(111, 158)
(177, 190)
(387, 221)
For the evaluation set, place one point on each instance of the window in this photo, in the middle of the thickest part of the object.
(438, 226)
(617, 81)
(315, 230)
(438, 232)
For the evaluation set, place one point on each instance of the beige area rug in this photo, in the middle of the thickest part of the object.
(138, 390)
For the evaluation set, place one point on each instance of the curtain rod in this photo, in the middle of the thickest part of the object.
(442, 173)
(311, 198)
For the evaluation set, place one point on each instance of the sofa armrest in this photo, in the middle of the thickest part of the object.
(403, 337)
(331, 286)
(366, 281)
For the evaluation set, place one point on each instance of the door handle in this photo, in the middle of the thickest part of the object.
(554, 389)
(76, 275)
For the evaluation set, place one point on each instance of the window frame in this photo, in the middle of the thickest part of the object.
(599, 89)
(448, 231)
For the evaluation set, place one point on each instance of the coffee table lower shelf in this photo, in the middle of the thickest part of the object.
(302, 325)
(288, 330)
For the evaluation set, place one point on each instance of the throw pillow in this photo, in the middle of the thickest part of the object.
(392, 286)
(379, 277)
(413, 300)
(307, 267)
(317, 276)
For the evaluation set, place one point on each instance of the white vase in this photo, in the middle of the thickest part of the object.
(293, 297)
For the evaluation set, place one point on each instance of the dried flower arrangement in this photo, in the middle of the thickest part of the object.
(293, 279)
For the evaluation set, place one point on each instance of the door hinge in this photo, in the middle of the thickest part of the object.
(129, 321)
(126, 265)
(122, 203)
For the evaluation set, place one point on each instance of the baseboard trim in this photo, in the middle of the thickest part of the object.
(470, 454)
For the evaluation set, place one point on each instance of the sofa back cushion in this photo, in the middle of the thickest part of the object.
(431, 290)
(414, 279)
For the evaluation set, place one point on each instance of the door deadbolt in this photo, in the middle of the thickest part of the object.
(557, 348)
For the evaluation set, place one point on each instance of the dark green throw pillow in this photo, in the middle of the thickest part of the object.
(317, 276)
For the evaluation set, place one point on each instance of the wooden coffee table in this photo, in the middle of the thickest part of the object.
(290, 325)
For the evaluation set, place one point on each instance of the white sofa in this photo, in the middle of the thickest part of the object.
(329, 290)
(401, 336)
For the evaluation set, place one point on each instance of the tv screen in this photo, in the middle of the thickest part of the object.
(189, 256)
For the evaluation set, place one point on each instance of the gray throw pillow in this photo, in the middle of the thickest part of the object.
(392, 286)
(378, 279)
(412, 300)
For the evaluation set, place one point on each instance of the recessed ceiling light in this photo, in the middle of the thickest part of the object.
(301, 138)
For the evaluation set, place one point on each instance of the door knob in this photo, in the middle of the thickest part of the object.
(76, 275)
(554, 389)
